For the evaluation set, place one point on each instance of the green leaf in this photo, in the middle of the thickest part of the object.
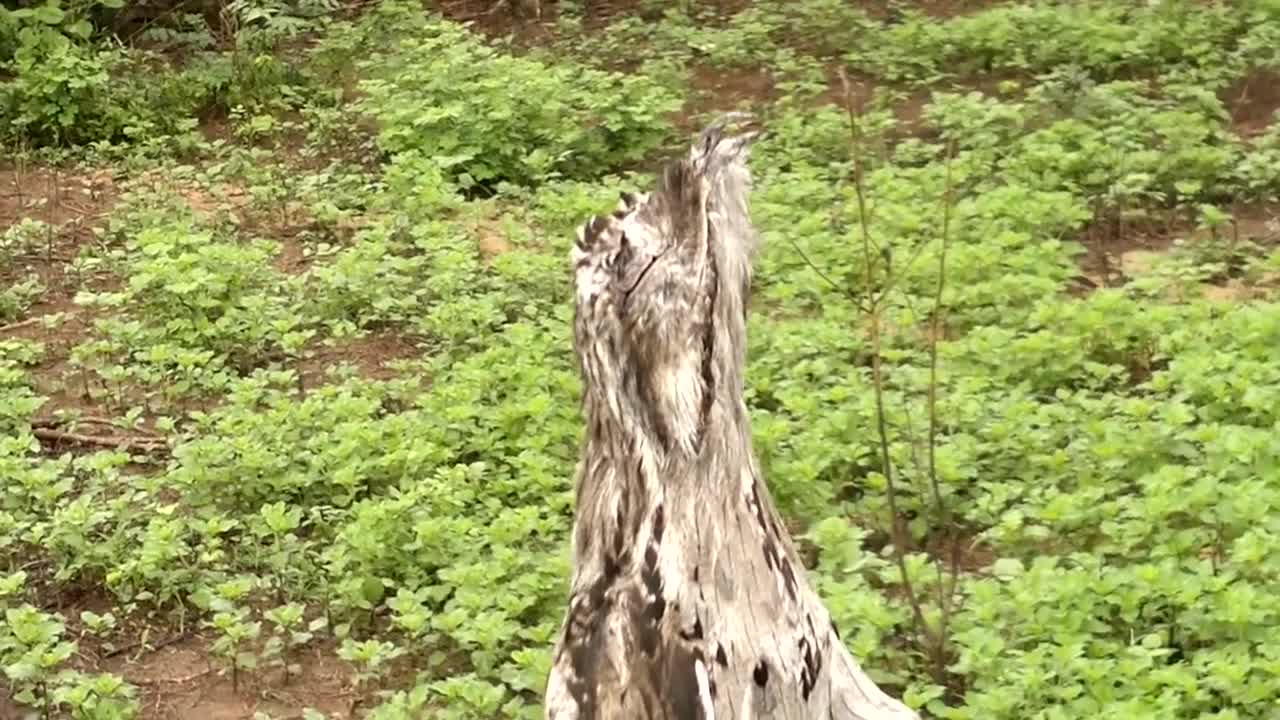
(80, 28)
(1006, 568)
(48, 14)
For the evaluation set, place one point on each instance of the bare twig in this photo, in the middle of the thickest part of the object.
(935, 327)
(19, 325)
(45, 257)
(853, 297)
(117, 442)
(945, 589)
(54, 423)
(171, 640)
(178, 680)
(892, 282)
(877, 374)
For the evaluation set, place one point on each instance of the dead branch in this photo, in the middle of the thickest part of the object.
(19, 325)
(118, 442)
(55, 423)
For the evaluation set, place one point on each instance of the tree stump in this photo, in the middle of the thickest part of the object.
(688, 599)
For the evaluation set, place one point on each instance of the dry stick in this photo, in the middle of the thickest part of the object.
(51, 209)
(45, 257)
(171, 640)
(892, 283)
(54, 423)
(877, 379)
(20, 324)
(124, 443)
(20, 170)
(934, 327)
(946, 583)
(178, 680)
(853, 297)
(944, 512)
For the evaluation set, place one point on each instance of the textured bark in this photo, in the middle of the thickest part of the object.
(688, 600)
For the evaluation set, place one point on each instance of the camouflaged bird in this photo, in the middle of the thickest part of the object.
(688, 600)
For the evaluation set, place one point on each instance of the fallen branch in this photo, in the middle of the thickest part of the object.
(176, 681)
(43, 257)
(21, 324)
(171, 640)
(54, 423)
(115, 442)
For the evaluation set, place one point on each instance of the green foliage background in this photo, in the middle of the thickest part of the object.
(1093, 531)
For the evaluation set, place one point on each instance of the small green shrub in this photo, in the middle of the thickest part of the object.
(488, 117)
(60, 92)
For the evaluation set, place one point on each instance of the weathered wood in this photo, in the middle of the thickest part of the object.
(688, 599)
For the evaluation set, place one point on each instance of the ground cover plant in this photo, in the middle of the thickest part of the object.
(288, 411)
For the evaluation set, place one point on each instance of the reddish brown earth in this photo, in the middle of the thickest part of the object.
(372, 355)
(1253, 101)
(178, 682)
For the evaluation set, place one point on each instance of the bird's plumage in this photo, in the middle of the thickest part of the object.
(688, 601)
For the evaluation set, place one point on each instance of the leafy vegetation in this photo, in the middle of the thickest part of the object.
(302, 390)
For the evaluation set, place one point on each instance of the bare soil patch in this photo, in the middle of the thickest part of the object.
(1115, 252)
(1253, 101)
(964, 549)
(1108, 241)
(522, 18)
(491, 240)
(908, 108)
(293, 258)
(220, 197)
(181, 682)
(72, 203)
(53, 195)
(718, 88)
(180, 677)
(370, 354)
(954, 8)
(69, 202)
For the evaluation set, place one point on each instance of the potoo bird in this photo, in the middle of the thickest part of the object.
(688, 601)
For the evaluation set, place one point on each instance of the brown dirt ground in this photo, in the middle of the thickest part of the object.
(1107, 242)
(721, 89)
(727, 88)
(179, 678)
(178, 682)
(1113, 255)
(969, 552)
(1253, 101)
(371, 354)
(73, 202)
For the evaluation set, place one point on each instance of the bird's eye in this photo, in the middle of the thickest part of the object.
(624, 252)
